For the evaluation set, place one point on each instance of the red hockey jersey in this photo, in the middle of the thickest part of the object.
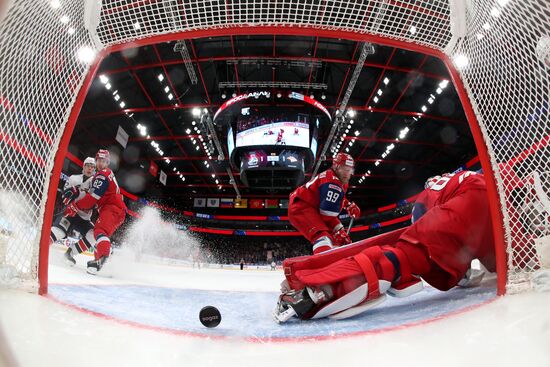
(447, 187)
(104, 191)
(451, 220)
(326, 192)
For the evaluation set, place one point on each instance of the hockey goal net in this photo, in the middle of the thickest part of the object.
(498, 53)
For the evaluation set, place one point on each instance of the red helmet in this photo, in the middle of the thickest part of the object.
(103, 153)
(343, 159)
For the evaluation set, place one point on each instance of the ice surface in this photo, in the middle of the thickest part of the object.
(149, 308)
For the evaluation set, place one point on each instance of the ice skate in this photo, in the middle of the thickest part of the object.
(472, 278)
(69, 257)
(297, 303)
(94, 266)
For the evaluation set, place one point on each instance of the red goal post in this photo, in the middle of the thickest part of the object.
(497, 53)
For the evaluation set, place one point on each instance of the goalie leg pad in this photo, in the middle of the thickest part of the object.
(406, 283)
(355, 302)
(354, 311)
(292, 265)
(369, 262)
(355, 281)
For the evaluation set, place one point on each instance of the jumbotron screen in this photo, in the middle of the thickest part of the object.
(272, 126)
(255, 120)
(265, 159)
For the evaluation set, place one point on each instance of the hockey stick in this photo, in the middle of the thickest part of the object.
(350, 224)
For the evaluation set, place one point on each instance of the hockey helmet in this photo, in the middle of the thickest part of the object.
(343, 159)
(89, 160)
(103, 153)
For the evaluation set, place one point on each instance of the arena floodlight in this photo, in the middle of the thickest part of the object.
(86, 54)
(461, 61)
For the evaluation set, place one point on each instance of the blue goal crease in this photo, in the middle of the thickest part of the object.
(249, 314)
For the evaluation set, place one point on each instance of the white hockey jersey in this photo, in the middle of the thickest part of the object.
(83, 186)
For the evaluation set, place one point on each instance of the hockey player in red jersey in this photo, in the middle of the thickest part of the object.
(105, 193)
(279, 140)
(314, 207)
(451, 227)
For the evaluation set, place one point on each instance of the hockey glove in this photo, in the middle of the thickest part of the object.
(70, 195)
(340, 235)
(352, 209)
(71, 210)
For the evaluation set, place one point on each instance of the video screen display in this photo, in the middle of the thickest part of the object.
(263, 159)
(280, 133)
(272, 126)
(260, 119)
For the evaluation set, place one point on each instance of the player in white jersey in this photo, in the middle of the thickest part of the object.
(75, 188)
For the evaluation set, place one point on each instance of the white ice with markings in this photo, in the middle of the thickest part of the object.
(145, 314)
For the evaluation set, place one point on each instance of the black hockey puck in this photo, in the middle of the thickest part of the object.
(210, 316)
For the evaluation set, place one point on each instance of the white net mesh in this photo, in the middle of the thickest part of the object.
(40, 74)
(508, 81)
(123, 21)
(506, 45)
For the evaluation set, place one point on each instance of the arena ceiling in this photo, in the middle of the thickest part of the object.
(399, 94)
